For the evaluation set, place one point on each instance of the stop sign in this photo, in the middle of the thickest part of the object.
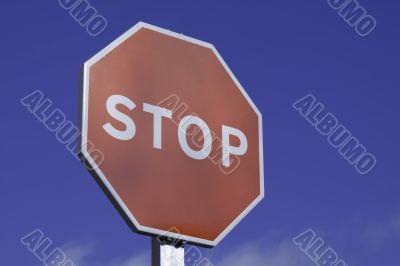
(181, 139)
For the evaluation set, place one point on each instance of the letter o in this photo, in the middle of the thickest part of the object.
(207, 144)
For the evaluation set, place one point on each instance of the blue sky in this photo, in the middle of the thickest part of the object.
(280, 51)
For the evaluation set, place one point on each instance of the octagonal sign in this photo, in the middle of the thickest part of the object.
(181, 140)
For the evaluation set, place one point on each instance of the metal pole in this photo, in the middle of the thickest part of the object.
(166, 255)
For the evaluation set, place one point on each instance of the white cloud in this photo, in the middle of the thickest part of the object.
(394, 224)
(255, 254)
(137, 260)
(78, 252)
(83, 254)
(378, 233)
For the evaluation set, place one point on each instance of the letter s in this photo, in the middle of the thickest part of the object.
(130, 130)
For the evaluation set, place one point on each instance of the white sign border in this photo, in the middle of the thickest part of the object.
(107, 184)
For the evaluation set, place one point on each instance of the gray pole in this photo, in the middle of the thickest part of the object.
(166, 255)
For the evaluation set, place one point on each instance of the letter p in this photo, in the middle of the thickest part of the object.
(227, 149)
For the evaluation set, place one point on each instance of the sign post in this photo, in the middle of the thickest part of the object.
(166, 255)
(181, 139)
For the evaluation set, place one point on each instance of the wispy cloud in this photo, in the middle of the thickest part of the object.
(280, 252)
(83, 254)
(78, 252)
(253, 253)
(379, 232)
(257, 254)
(137, 260)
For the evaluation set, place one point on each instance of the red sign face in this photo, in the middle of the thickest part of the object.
(181, 139)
